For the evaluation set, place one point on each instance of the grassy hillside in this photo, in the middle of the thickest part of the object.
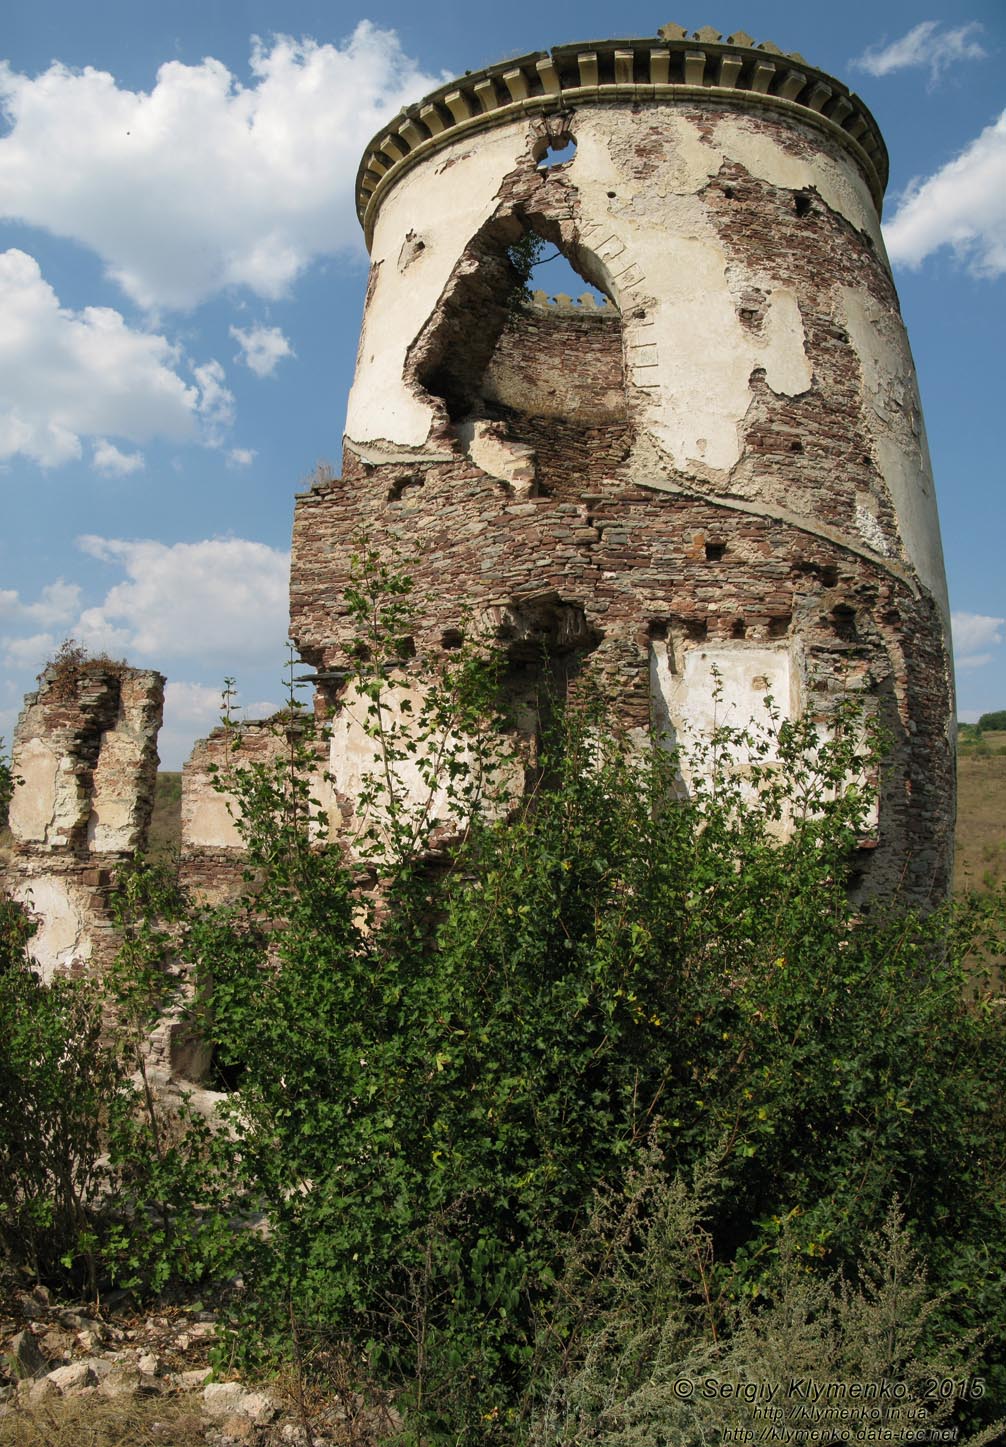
(981, 811)
(166, 822)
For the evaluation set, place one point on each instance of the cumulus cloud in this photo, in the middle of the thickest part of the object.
(58, 603)
(974, 636)
(108, 459)
(963, 205)
(241, 456)
(924, 45)
(31, 652)
(216, 402)
(191, 710)
(66, 376)
(204, 182)
(261, 348)
(222, 599)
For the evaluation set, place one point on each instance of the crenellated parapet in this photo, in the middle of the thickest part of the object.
(733, 70)
(587, 305)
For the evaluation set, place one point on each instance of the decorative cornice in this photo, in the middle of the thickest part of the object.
(670, 66)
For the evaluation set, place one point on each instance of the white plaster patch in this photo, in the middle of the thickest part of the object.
(699, 355)
(33, 804)
(783, 353)
(450, 200)
(893, 415)
(62, 936)
(208, 823)
(870, 530)
(511, 462)
(420, 779)
(699, 689)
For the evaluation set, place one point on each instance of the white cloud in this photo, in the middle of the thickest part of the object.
(963, 206)
(31, 652)
(191, 710)
(241, 456)
(261, 348)
(66, 376)
(220, 599)
(188, 705)
(216, 402)
(58, 603)
(203, 182)
(924, 46)
(974, 635)
(108, 459)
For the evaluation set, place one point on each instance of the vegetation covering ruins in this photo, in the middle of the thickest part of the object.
(535, 1112)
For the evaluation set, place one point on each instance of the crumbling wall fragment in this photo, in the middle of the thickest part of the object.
(85, 764)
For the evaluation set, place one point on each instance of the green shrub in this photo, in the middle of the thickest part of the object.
(56, 1082)
(432, 1090)
(457, 1050)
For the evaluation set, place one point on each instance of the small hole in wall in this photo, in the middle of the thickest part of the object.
(554, 152)
(406, 647)
(402, 485)
(729, 192)
(451, 638)
(657, 628)
(778, 627)
(611, 195)
(796, 445)
(843, 619)
(829, 576)
(739, 629)
(715, 551)
(224, 1075)
(801, 204)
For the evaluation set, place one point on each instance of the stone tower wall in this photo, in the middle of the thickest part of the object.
(723, 470)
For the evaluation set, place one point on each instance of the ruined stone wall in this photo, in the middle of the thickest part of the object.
(85, 762)
(725, 468)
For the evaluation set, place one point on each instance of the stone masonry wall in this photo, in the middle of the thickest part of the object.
(725, 467)
(85, 763)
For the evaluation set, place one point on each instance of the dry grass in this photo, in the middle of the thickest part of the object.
(981, 814)
(166, 822)
(97, 1421)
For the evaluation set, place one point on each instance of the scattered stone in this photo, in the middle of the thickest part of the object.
(129, 1381)
(72, 1378)
(238, 1432)
(190, 1381)
(24, 1358)
(151, 1365)
(41, 1391)
(57, 1344)
(231, 1399)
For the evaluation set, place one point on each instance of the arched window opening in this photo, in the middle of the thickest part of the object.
(554, 151)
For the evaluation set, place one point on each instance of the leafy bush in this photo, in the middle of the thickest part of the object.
(994, 721)
(6, 785)
(56, 1081)
(434, 1085)
(460, 1047)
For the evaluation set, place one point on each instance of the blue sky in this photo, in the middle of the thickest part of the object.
(182, 275)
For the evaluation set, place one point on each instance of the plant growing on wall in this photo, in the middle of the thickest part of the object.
(453, 1064)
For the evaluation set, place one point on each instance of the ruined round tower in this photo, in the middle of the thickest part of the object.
(709, 485)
